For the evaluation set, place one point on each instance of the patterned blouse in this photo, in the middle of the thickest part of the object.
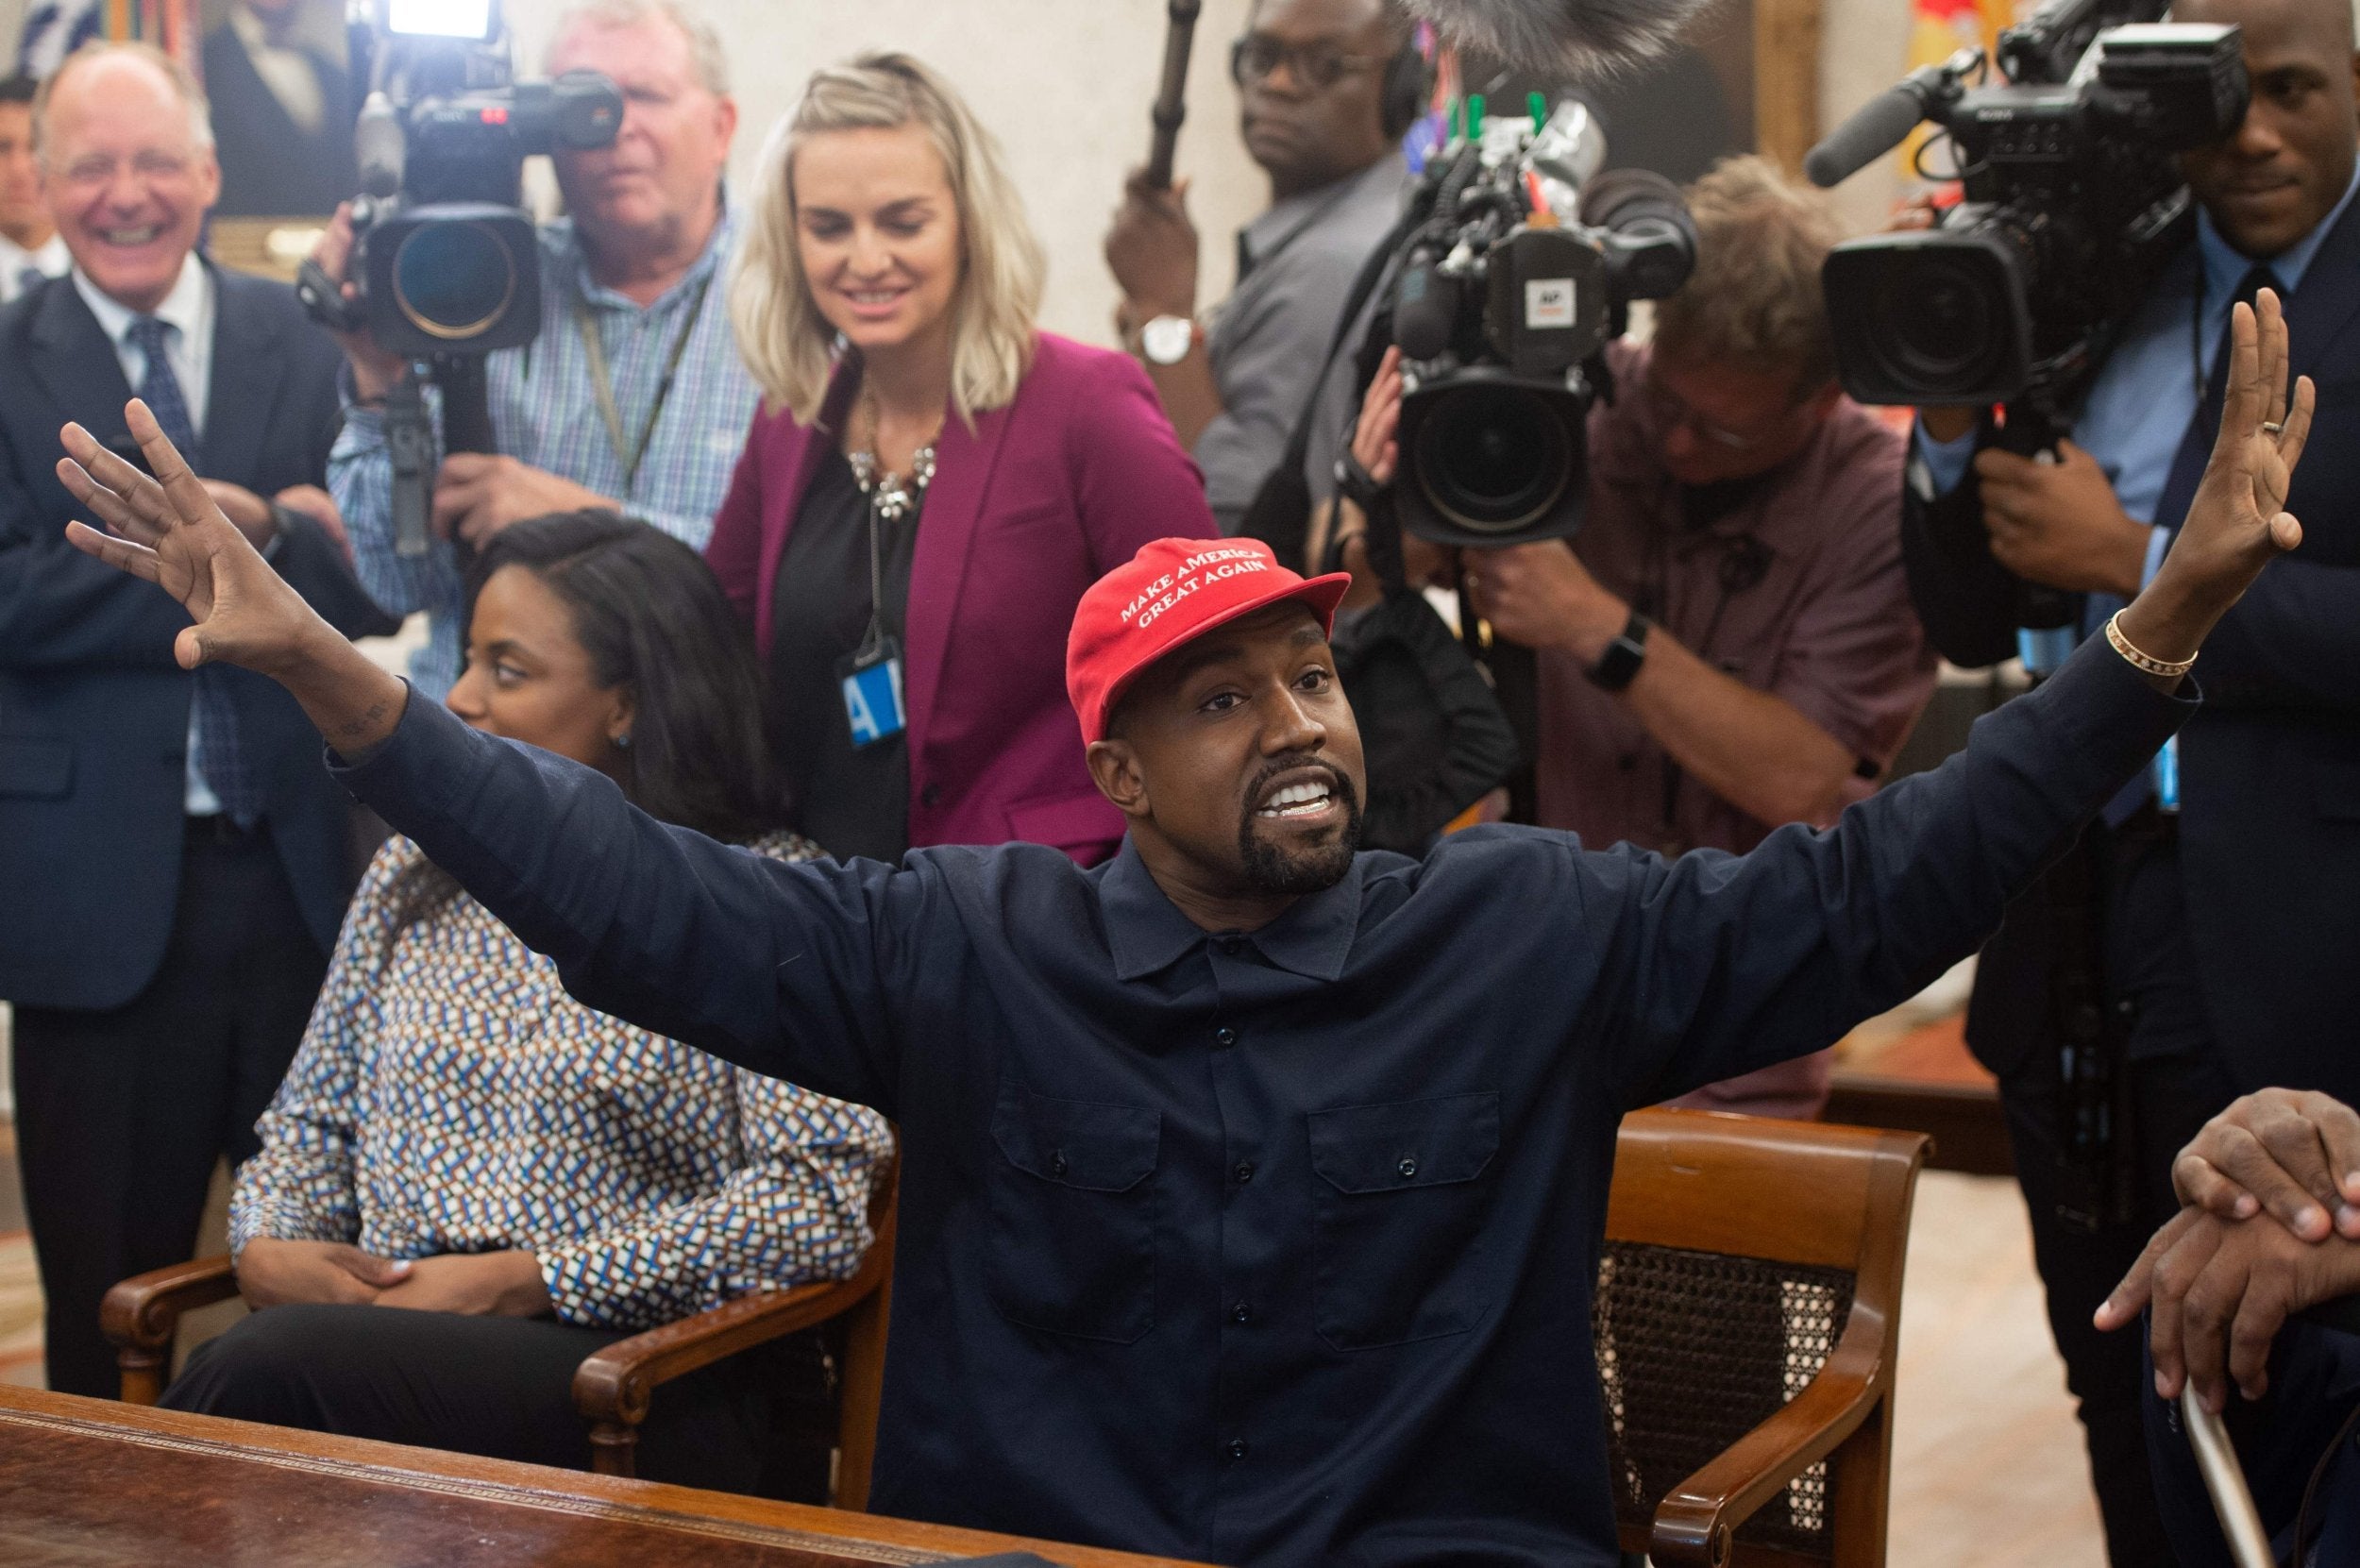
(450, 1097)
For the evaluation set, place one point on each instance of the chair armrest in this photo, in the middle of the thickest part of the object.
(1696, 1522)
(615, 1384)
(142, 1312)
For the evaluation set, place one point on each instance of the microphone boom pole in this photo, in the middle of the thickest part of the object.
(1171, 98)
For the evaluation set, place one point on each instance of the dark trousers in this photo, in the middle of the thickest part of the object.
(499, 1386)
(2280, 1440)
(2176, 1084)
(121, 1114)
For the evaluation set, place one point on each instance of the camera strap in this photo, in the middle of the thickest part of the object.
(632, 453)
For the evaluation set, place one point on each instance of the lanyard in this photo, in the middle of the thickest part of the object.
(631, 453)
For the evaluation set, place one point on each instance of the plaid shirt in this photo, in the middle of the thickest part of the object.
(545, 414)
(450, 1097)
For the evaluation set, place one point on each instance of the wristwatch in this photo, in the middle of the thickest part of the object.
(1619, 664)
(1167, 340)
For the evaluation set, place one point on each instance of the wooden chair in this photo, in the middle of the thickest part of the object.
(614, 1387)
(1747, 1320)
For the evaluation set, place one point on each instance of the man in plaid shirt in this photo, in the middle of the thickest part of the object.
(638, 270)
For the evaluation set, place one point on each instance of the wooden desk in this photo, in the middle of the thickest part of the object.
(88, 1483)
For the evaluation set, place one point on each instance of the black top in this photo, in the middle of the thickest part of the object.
(848, 800)
(1279, 1248)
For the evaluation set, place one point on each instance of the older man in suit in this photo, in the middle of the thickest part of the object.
(174, 858)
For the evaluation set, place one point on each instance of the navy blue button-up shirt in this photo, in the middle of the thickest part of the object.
(1271, 1247)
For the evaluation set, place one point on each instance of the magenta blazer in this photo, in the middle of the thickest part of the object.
(1025, 512)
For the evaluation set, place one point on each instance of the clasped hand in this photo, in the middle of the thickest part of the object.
(496, 1283)
(2271, 1227)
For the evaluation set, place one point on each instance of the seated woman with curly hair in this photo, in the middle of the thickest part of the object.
(458, 1136)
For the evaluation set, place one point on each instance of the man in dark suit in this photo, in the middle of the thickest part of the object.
(2202, 942)
(173, 857)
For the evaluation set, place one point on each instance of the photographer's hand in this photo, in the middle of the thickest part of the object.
(2059, 523)
(374, 371)
(478, 494)
(1373, 435)
(168, 530)
(2238, 523)
(1151, 248)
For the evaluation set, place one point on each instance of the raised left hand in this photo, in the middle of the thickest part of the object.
(485, 1284)
(2224, 1286)
(1541, 596)
(2059, 523)
(478, 494)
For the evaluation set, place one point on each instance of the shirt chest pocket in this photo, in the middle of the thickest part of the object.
(1398, 1207)
(1074, 1215)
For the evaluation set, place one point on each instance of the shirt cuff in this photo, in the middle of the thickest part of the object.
(1946, 461)
(2158, 546)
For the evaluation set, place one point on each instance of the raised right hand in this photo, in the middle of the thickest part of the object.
(272, 1272)
(168, 530)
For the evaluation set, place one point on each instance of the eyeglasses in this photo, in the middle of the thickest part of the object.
(1669, 410)
(1317, 66)
(98, 169)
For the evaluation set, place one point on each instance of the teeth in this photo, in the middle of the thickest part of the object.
(1301, 800)
(131, 236)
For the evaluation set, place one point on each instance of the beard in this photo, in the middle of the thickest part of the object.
(1270, 869)
(1586, 38)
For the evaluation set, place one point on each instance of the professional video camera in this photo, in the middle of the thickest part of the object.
(2073, 204)
(444, 259)
(1508, 291)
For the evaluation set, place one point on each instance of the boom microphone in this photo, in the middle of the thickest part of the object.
(1874, 129)
(1586, 38)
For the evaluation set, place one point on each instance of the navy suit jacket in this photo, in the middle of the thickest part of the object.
(93, 712)
(2269, 771)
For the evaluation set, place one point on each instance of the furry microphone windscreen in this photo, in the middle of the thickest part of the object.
(1585, 37)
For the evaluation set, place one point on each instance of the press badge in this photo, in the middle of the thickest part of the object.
(871, 681)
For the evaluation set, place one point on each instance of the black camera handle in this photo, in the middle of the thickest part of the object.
(409, 440)
(2031, 430)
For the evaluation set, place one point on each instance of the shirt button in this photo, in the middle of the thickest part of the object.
(1244, 1171)
(1408, 1167)
(930, 796)
(1224, 1036)
(1237, 1448)
(1243, 1312)
(1056, 1162)
(1232, 945)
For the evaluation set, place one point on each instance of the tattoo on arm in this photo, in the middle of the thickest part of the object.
(354, 728)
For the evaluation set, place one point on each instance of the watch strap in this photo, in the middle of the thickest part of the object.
(1618, 666)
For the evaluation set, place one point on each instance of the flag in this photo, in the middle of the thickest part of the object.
(55, 29)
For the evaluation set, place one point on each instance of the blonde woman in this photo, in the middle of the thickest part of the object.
(931, 481)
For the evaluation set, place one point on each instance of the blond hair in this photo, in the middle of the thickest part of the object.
(1755, 299)
(787, 344)
(704, 45)
(183, 84)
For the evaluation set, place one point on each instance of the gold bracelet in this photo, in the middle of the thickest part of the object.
(2142, 661)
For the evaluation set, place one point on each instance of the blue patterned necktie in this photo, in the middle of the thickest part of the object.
(220, 760)
(30, 277)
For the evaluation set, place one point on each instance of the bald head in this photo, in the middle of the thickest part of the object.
(126, 167)
(2289, 163)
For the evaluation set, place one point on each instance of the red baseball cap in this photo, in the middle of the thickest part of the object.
(1170, 594)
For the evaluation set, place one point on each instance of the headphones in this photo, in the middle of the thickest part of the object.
(1408, 83)
(1401, 97)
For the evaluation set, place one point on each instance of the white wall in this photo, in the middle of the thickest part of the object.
(1065, 84)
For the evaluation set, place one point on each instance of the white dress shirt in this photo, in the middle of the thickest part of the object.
(188, 310)
(50, 259)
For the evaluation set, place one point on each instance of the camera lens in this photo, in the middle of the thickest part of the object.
(1492, 459)
(1938, 324)
(453, 280)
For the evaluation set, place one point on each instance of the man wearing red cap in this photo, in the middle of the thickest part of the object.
(1253, 1187)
